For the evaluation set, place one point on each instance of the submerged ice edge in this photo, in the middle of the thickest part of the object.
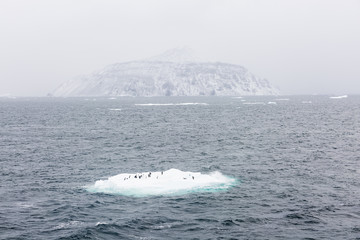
(170, 182)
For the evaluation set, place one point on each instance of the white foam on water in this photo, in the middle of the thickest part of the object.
(158, 227)
(24, 205)
(339, 97)
(170, 182)
(69, 224)
(169, 104)
(282, 99)
(115, 109)
(100, 223)
(273, 103)
(306, 102)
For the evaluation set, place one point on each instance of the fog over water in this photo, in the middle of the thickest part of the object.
(302, 47)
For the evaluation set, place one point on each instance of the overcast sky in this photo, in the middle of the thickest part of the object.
(301, 46)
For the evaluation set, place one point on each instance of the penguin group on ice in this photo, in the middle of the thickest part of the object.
(148, 175)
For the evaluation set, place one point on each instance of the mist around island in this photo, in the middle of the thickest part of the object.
(300, 47)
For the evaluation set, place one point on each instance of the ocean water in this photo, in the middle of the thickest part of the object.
(263, 168)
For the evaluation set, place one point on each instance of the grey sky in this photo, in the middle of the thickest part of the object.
(301, 46)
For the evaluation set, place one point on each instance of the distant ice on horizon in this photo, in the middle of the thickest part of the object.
(169, 104)
(339, 97)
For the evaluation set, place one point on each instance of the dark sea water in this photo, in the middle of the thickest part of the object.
(297, 167)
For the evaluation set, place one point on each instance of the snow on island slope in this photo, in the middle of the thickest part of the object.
(174, 73)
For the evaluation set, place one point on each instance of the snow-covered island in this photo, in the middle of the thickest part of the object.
(173, 73)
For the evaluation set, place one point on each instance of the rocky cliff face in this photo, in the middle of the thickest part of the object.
(162, 76)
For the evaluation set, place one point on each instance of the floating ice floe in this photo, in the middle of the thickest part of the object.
(339, 97)
(169, 104)
(254, 103)
(170, 182)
